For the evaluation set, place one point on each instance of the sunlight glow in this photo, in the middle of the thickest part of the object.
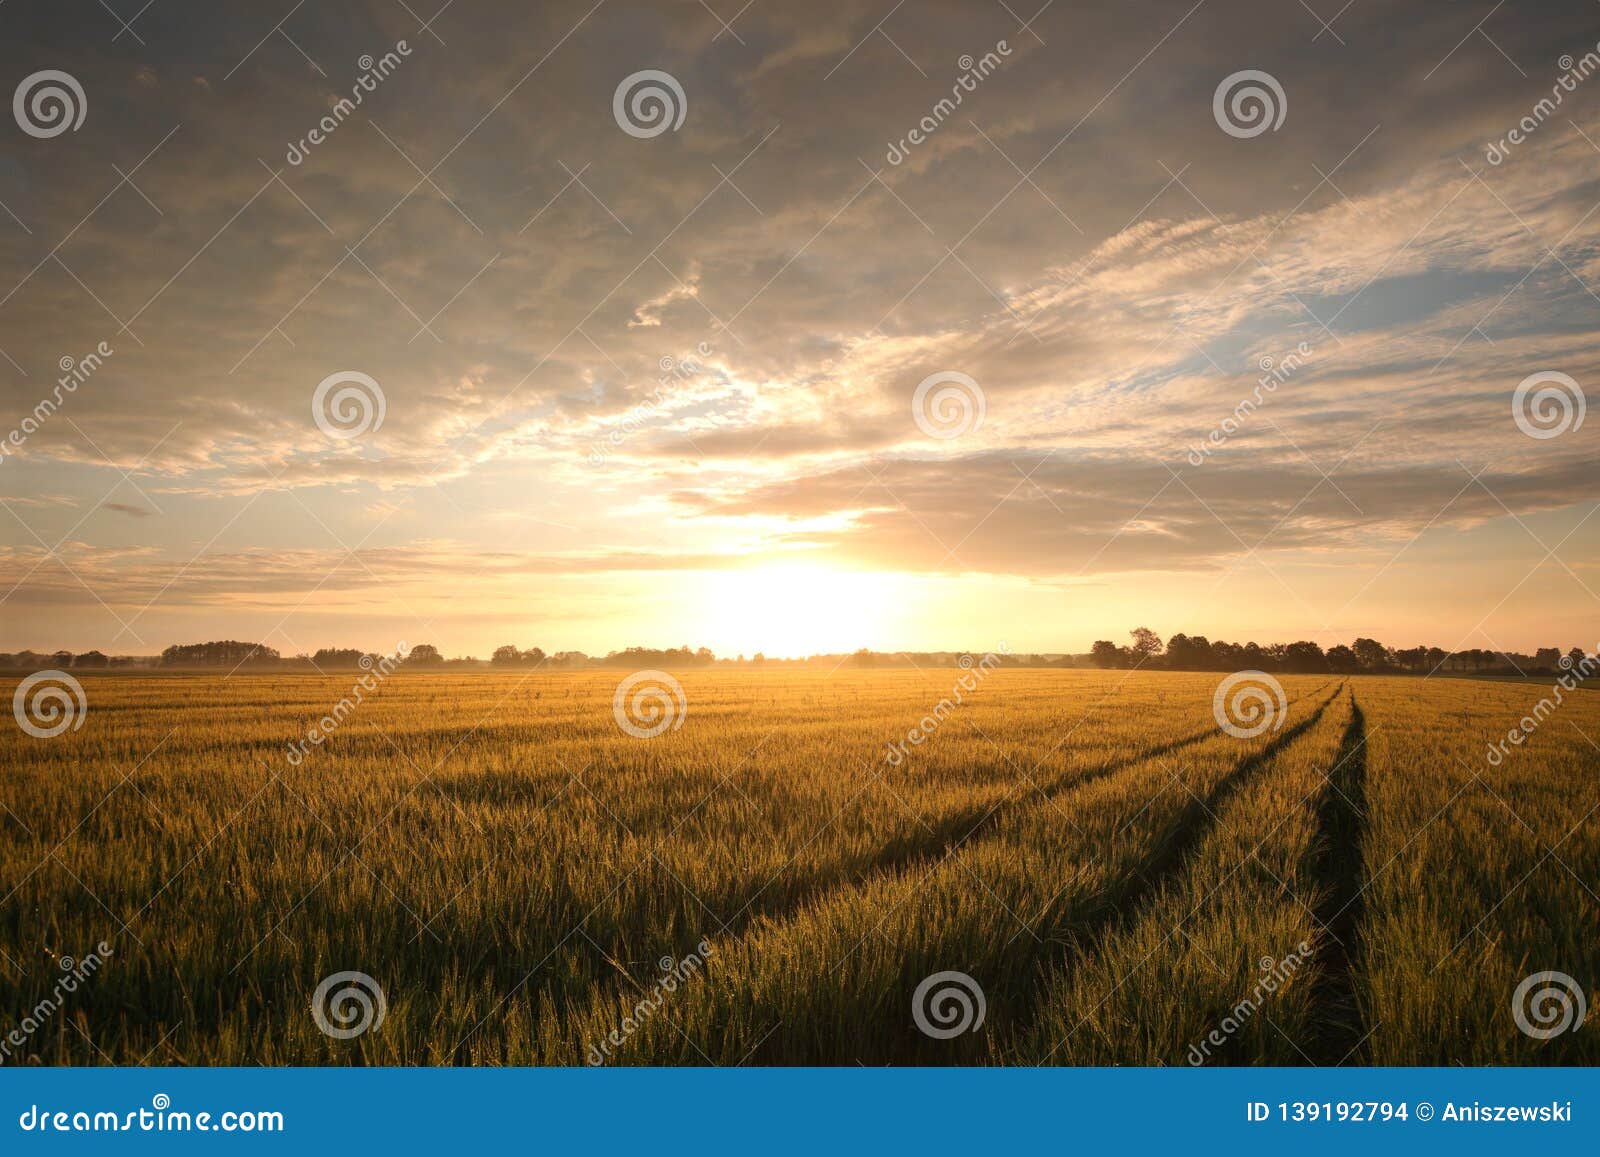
(793, 609)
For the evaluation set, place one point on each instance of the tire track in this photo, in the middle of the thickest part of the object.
(1123, 907)
(1013, 968)
(1340, 864)
(952, 834)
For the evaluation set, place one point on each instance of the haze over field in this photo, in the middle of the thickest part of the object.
(649, 387)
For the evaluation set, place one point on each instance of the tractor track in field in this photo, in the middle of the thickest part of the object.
(1196, 821)
(955, 834)
(958, 832)
(1124, 906)
(1340, 865)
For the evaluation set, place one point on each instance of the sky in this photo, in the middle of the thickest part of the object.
(1257, 320)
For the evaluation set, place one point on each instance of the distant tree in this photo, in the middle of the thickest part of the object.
(1146, 643)
(1547, 658)
(864, 658)
(533, 656)
(1105, 654)
(1411, 658)
(227, 652)
(1575, 657)
(1343, 659)
(337, 657)
(91, 659)
(424, 655)
(506, 656)
(1304, 658)
(1371, 654)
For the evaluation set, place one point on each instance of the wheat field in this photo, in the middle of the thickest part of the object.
(770, 880)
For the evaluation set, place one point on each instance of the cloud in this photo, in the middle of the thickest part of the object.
(129, 509)
(516, 272)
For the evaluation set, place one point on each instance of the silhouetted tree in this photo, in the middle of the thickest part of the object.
(227, 652)
(1343, 659)
(328, 657)
(1304, 658)
(1370, 653)
(1146, 643)
(1104, 654)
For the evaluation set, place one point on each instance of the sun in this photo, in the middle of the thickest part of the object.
(796, 609)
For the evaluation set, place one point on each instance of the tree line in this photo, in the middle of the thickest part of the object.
(1197, 653)
(1145, 650)
(233, 654)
